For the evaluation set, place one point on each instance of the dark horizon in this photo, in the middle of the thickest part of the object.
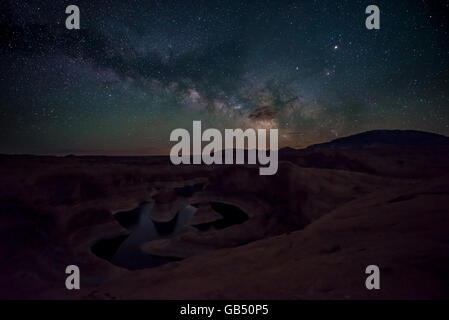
(130, 154)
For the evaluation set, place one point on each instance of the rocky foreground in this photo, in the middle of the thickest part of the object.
(312, 228)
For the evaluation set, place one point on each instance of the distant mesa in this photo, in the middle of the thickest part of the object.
(287, 150)
(385, 139)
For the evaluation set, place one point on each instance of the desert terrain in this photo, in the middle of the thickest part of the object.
(307, 232)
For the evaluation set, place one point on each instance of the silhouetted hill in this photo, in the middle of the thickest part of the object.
(385, 139)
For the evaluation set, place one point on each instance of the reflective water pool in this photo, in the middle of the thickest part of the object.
(125, 250)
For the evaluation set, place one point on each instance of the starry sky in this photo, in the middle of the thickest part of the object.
(136, 70)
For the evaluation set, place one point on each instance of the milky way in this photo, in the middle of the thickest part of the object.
(138, 69)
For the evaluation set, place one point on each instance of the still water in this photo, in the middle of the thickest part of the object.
(143, 229)
(125, 250)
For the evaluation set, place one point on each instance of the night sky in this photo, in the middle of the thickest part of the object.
(138, 69)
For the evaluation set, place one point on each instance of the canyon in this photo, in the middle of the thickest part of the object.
(307, 232)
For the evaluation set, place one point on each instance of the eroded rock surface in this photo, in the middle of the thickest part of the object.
(310, 232)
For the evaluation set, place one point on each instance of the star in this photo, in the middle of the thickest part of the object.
(194, 61)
